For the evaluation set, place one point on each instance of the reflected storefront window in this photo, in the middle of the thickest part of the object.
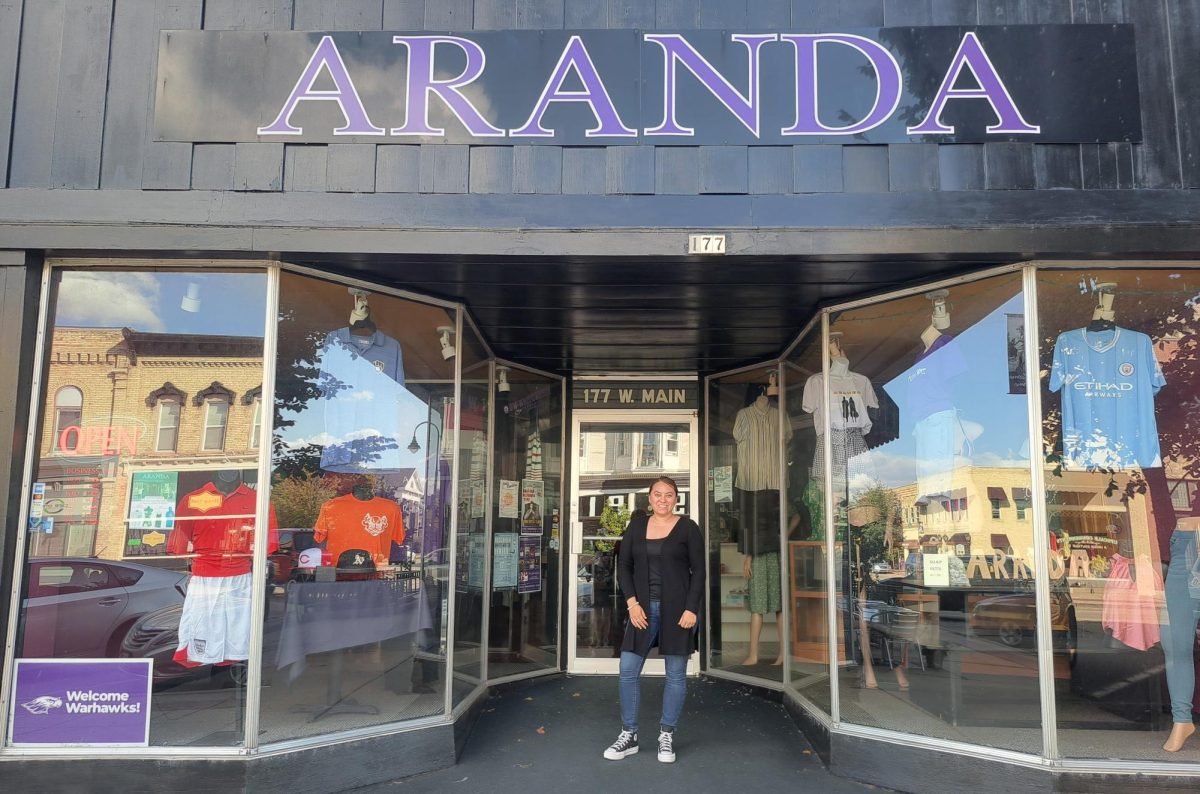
(527, 536)
(361, 486)
(934, 544)
(744, 431)
(1118, 354)
(139, 546)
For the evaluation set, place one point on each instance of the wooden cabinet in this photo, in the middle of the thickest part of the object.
(810, 592)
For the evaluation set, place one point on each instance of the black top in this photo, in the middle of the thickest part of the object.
(682, 570)
(654, 558)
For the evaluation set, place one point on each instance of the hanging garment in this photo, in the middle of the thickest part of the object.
(1109, 380)
(1129, 613)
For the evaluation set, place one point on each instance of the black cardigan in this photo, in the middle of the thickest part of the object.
(682, 585)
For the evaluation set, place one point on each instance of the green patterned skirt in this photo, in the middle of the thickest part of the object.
(764, 584)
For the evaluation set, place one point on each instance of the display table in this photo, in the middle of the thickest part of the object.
(330, 616)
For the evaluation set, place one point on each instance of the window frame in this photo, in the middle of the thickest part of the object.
(160, 427)
(209, 404)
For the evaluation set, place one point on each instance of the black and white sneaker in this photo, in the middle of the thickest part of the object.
(625, 745)
(666, 748)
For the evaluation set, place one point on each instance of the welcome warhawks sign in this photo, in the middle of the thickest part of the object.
(1051, 83)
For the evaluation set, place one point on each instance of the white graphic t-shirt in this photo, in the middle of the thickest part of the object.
(850, 395)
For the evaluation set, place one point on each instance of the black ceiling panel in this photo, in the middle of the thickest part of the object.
(647, 314)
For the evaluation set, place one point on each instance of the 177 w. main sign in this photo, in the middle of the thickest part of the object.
(1063, 83)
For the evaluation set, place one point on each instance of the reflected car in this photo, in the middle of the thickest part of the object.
(156, 636)
(78, 607)
(881, 568)
(1012, 618)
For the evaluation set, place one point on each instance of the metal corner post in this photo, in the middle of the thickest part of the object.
(835, 704)
(452, 584)
(262, 512)
(41, 340)
(1041, 545)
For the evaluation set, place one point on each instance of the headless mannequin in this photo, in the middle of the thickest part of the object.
(361, 323)
(227, 481)
(1182, 731)
(756, 618)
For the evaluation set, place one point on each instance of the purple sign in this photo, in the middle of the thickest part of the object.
(96, 702)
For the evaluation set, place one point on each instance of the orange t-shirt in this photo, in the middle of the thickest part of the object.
(349, 523)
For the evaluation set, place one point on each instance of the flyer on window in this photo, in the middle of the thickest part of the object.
(478, 498)
(533, 499)
(529, 575)
(723, 484)
(504, 560)
(510, 495)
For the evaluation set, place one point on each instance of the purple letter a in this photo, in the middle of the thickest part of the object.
(971, 55)
(325, 56)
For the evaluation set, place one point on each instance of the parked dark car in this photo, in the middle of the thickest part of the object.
(82, 607)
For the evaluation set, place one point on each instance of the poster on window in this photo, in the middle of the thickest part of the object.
(152, 499)
(533, 500)
(478, 498)
(723, 484)
(504, 560)
(81, 702)
(529, 573)
(1016, 354)
(510, 496)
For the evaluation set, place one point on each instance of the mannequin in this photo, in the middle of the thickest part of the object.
(215, 525)
(1178, 636)
(850, 396)
(756, 494)
(925, 394)
(362, 370)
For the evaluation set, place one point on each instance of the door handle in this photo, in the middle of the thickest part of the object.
(108, 602)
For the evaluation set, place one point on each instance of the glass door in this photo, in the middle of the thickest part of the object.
(617, 455)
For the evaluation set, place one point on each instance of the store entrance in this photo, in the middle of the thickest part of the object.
(616, 454)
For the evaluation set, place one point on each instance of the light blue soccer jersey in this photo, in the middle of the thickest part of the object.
(362, 386)
(1108, 381)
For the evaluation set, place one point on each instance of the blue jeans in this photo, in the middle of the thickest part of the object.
(630, 684)
(1179, 635)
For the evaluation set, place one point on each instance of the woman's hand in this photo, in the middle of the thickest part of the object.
(637, 616)
(747, 563)
(688, 620)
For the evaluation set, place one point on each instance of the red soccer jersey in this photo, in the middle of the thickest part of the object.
(350, 523)
(220, 530)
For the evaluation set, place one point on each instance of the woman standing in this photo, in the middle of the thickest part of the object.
(661, 571)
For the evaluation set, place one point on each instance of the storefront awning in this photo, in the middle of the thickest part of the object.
(1021, 495)
(1000, 541)
(960, 537)
(997, 493)
(929, 539)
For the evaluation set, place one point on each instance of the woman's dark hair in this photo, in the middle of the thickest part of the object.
(668, 481)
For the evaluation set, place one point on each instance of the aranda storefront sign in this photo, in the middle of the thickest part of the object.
(1044, 83)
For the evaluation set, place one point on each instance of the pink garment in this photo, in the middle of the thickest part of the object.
(1131, 616)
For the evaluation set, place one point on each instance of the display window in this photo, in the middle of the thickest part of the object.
(808, 547)
(362, 486)
(745, 429)
(925, 407)
(526, 522)
(135, 618)
(1118, 354)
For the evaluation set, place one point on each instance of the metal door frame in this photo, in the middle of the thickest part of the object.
(690, 417)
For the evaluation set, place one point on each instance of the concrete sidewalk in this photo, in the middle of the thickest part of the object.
(548, 736)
